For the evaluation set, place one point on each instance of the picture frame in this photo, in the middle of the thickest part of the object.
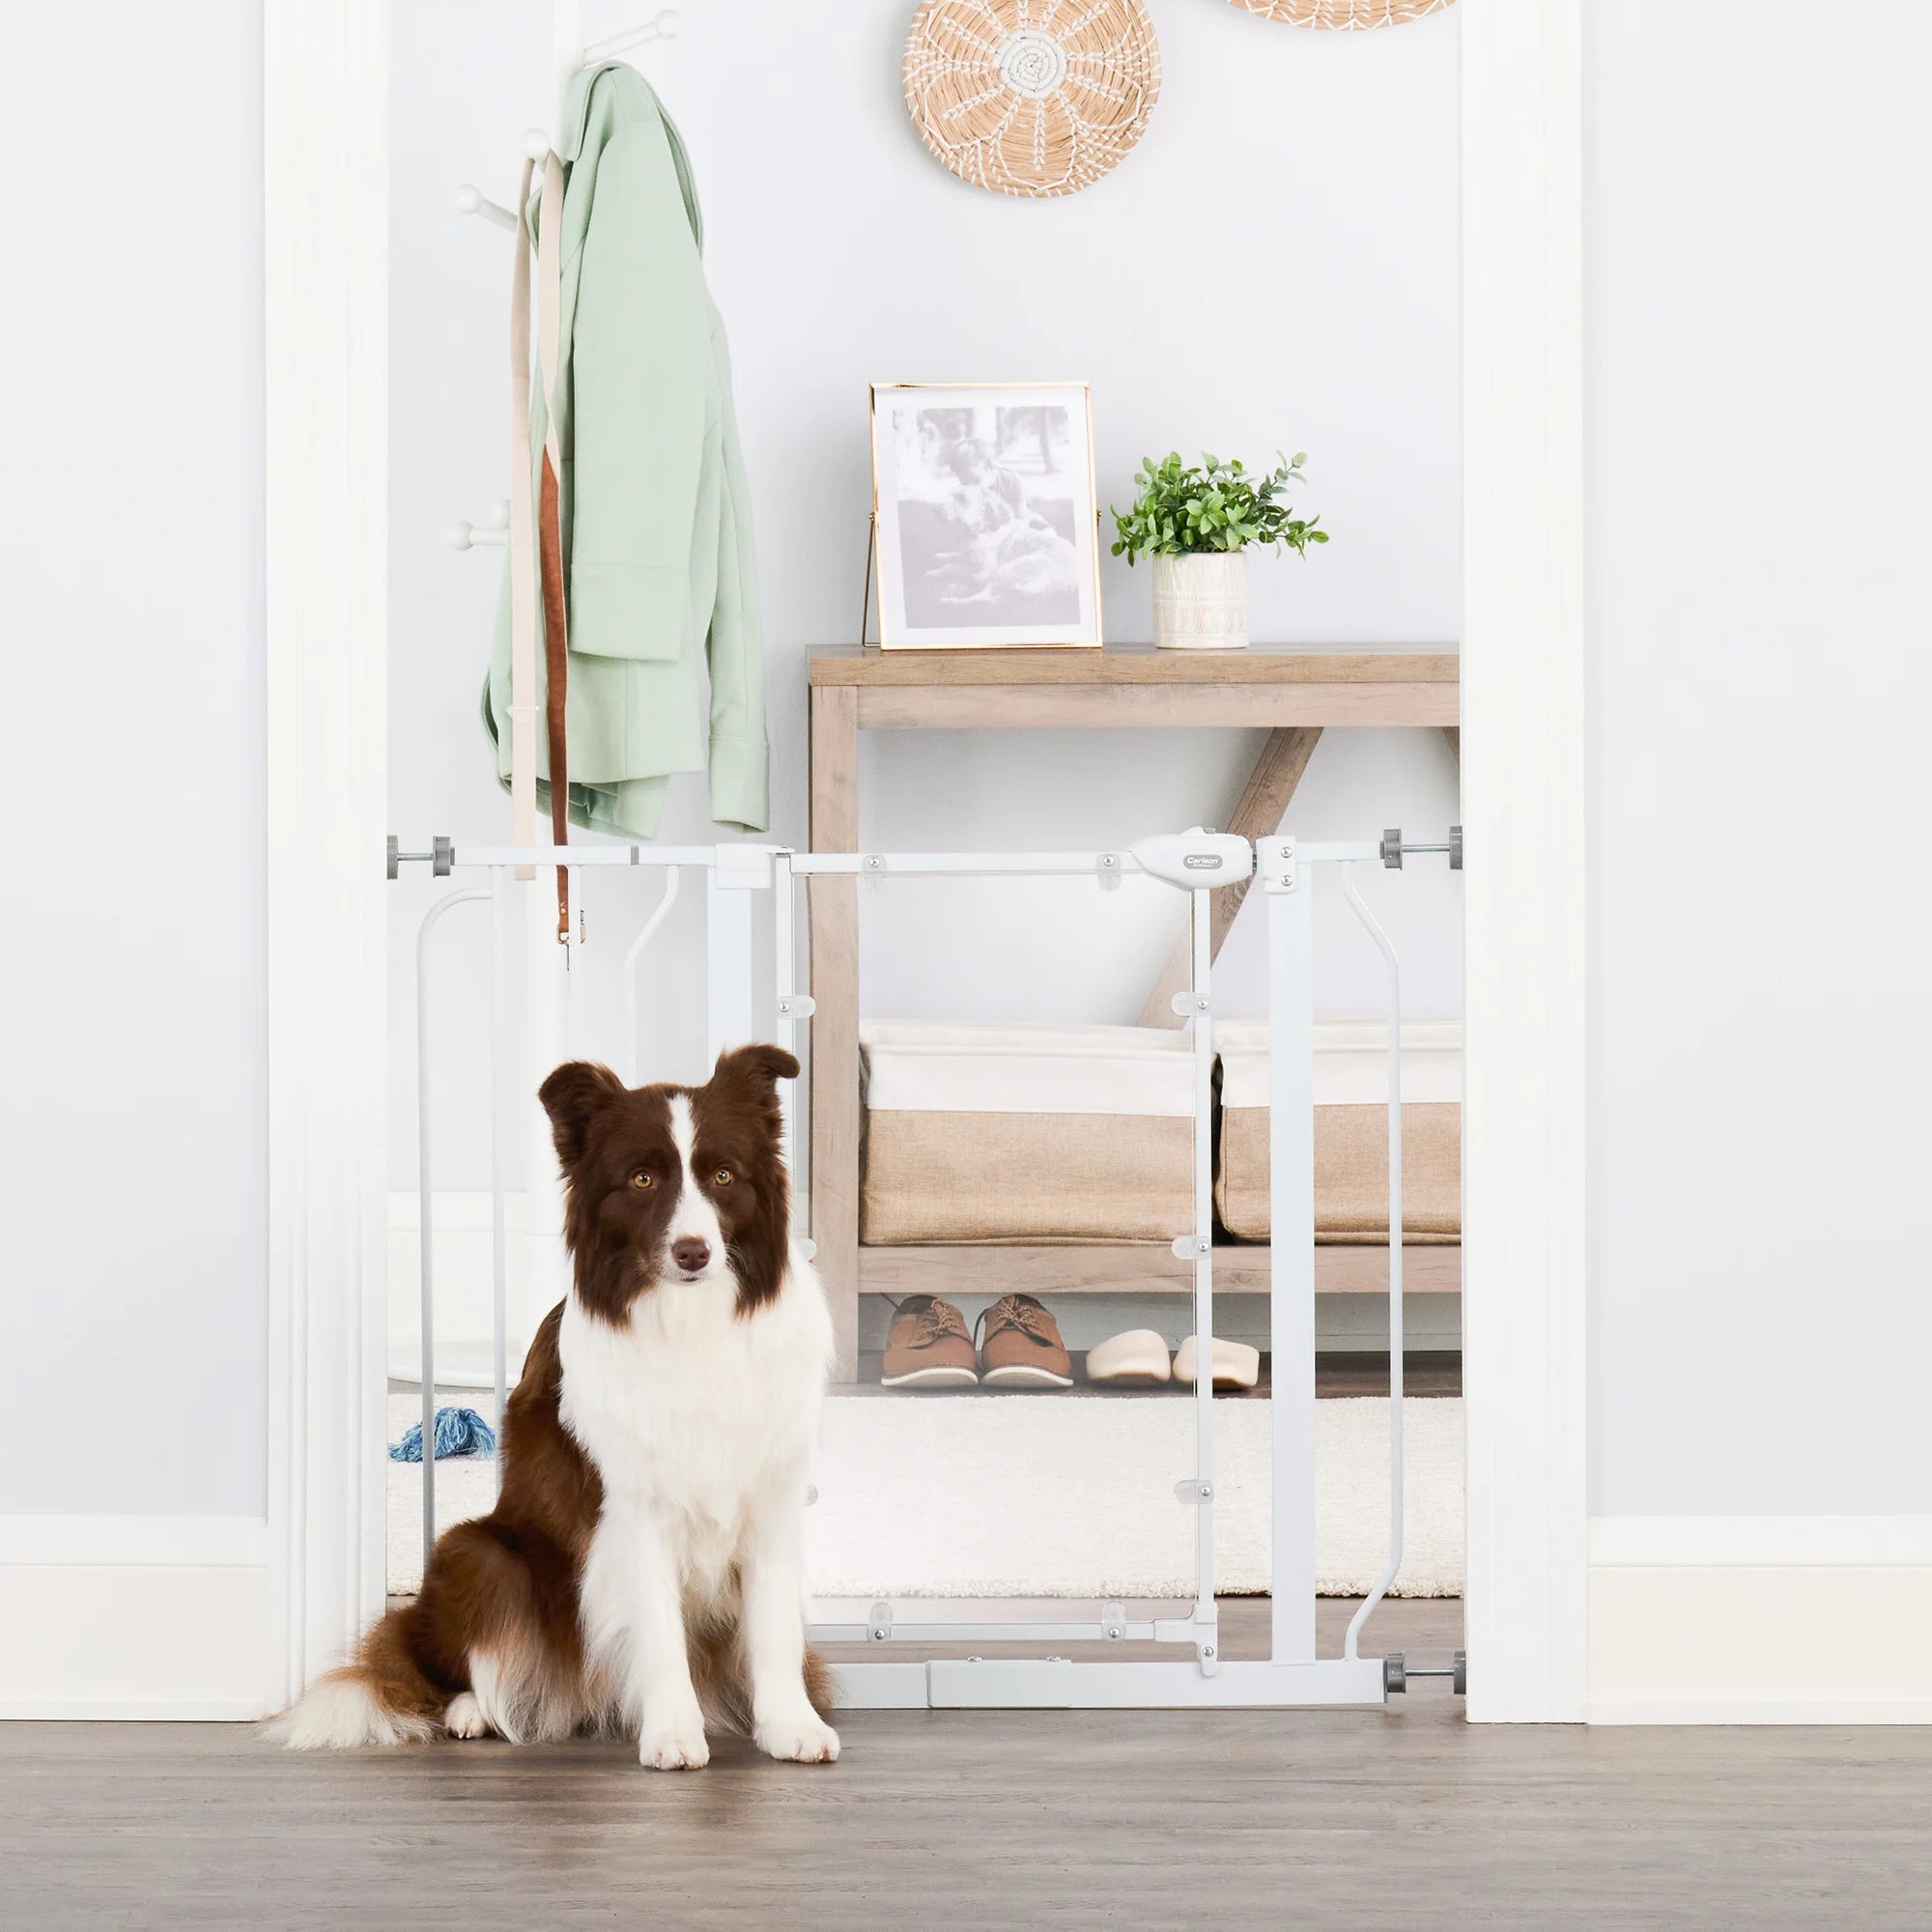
(985, 516)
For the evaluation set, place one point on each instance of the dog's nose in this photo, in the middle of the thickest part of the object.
(692, 1253)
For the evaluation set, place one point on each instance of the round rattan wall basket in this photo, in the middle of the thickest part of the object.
(1344, 15)
(1031, 96)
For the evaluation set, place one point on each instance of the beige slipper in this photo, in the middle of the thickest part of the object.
(1237, 1364)
(1136, 1359)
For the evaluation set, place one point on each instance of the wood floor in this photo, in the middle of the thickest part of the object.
(946, 1819)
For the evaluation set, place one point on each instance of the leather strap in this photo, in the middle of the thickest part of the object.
(523, 552)
(550, 523)
(556, 664)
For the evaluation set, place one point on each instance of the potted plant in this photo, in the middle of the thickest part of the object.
(1197, 521)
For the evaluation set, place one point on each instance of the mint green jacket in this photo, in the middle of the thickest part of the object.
(661, 578)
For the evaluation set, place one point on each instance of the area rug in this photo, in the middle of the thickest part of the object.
(1063, 1496)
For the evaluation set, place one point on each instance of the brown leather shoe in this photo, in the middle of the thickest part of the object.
(928, 1346)
(1021, 1346)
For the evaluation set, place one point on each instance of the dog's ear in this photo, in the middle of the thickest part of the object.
(570, 1096)
(759, 1067)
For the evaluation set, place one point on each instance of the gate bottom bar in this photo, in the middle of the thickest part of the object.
(998, 1631)
(1058, 1684)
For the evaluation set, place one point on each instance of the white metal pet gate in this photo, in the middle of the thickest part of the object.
(1198, 863)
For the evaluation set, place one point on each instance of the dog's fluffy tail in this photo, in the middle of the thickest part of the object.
(382, 1698)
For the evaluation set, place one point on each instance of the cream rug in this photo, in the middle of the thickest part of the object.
(1062, 1495)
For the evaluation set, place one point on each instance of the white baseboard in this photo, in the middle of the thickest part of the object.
(135, 1617)
(1760, 1620)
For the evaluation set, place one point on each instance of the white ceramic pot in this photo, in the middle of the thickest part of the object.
(1201, 602)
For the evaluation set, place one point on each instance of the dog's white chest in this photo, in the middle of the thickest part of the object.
(694, 1413)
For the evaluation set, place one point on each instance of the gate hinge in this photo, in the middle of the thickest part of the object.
(1276, 865)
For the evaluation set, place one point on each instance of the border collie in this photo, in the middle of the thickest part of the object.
(642, 1569)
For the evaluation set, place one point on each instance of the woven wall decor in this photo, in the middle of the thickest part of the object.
(1345, 16)
(1031, 96)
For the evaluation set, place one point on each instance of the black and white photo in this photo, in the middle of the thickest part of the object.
(984, 497)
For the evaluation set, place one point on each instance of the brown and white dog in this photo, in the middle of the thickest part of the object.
(642, 1568)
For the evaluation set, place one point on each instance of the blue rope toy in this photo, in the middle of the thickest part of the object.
(459, 1431)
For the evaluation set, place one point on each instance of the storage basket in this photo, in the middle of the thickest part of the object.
(1350, 1132)
(992, 1133)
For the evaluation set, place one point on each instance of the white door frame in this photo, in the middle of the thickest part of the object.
(1522, 815)
(325, 132)
(325, 197)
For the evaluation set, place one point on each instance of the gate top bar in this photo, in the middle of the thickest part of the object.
(1194, 860)
(447, 858)
(863, 863)
(933, 865)
(635, 854)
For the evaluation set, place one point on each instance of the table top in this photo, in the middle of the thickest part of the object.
(1134, 664)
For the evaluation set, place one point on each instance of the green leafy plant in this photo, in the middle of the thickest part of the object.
(1181, 509)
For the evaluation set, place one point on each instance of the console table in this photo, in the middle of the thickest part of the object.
(1298, 691)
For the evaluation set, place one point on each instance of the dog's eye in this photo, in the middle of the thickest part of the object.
(643, 1177)
(723, 1178)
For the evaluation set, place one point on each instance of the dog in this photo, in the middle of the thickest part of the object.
(641, 1572)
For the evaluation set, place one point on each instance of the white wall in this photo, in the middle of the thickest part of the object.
(1758, 190)
(132, 1062)
(1310, 182)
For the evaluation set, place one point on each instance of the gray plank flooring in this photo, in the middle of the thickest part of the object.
(949, 1819)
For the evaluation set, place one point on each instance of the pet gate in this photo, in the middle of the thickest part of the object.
(1198, 863)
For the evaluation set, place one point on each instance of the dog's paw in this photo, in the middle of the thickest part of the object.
(802, 1740)
(675, 1745)
(465, 1717)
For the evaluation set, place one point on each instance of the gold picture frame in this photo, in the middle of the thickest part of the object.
(985, 516)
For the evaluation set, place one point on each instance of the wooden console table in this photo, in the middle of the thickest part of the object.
(1298, 691)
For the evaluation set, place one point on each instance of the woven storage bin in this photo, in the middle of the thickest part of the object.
(1018, 1133)
(1350, 1133)
(1031, 99)
(1344, 15)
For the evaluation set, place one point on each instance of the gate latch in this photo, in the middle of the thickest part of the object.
(1192, 860)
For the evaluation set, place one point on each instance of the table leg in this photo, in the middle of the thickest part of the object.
(835, 1025)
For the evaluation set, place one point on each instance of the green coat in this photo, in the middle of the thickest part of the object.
(656, 515)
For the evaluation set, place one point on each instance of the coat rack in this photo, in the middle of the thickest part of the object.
(547, 977)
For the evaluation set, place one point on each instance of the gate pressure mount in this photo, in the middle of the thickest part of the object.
(442, 858)
(1394, 851)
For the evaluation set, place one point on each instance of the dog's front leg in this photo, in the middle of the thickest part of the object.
(672, 1735)
(784, 1722)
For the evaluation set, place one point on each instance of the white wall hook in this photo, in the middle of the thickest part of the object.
(662, 28)
(467, 535)
(469, 199)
